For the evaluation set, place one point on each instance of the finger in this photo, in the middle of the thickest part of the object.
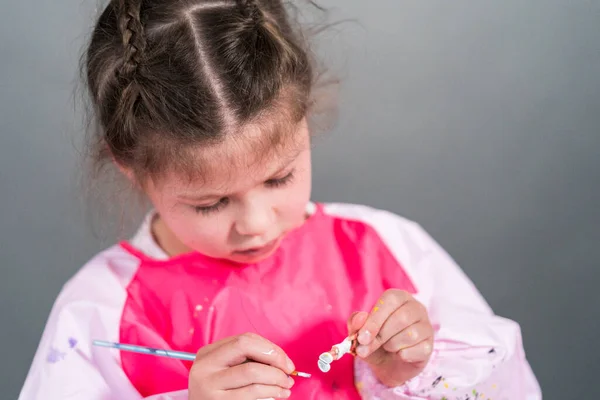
(408, 314)
(356, 321)
(386, 305)
(409, 337)
(258, 391)
(252, 373)
(205, 350)
(417, 353)
(250, 346)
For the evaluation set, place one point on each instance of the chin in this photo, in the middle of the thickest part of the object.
(247, 260)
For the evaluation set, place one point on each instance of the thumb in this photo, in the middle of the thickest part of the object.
(356, 321)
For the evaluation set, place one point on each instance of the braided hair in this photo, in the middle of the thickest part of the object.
(168, 75)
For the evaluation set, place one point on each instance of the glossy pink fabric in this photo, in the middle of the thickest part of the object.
(300, 298)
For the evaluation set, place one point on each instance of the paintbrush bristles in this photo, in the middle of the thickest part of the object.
(301, 374)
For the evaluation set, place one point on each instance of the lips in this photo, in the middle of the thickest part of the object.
(259, 252)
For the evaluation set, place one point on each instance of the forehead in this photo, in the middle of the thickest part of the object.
(251, 155)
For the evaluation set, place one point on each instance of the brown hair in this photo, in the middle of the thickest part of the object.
(164, 75)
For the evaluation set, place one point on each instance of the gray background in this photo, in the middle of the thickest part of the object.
(478, 119)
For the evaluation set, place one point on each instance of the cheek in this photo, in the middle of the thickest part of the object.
(202, 233)
(196, 230)
(293, 203)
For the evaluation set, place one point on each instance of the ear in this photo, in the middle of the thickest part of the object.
(123, 169)
(126, 171)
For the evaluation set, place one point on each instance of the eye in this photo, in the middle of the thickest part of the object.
(213, 207)
(280, 181)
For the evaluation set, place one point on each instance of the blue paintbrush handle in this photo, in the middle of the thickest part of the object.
(147, 350)
(164, 353)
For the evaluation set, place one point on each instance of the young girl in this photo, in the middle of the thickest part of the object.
(203, 105)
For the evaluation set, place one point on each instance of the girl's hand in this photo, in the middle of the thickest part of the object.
(245, 367)
(396, 338)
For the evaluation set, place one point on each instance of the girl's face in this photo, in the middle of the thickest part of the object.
(244, 204)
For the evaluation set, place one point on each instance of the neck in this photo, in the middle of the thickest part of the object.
(165, 238)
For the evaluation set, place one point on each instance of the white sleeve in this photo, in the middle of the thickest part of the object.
(476, 353)
(66, 366)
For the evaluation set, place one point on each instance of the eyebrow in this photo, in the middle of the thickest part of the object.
(217, 195)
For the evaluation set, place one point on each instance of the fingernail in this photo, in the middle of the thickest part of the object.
(290, 365)
(364, 337)
(362, 351)
(427, 348)
(285, 394)
(291, 382)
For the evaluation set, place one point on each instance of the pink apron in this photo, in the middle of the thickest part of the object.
(299, 298)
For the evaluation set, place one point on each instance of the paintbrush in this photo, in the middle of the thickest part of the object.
(180, 355)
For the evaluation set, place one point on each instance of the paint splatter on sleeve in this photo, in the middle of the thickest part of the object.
(72, 342)
(55, 355)
(476, 354)
(443, 380)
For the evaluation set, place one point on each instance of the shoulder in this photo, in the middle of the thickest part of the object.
(364, 213)
(105, 275)
(88, 307)
(95, 295)
(92, 301)
(413, 248)
(108, 273)
(393, 229)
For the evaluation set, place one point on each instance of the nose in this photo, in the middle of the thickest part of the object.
(255, 219)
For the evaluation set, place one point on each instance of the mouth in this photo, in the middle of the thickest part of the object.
(261, 251)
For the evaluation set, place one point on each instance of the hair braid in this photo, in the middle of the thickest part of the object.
(132, 33)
